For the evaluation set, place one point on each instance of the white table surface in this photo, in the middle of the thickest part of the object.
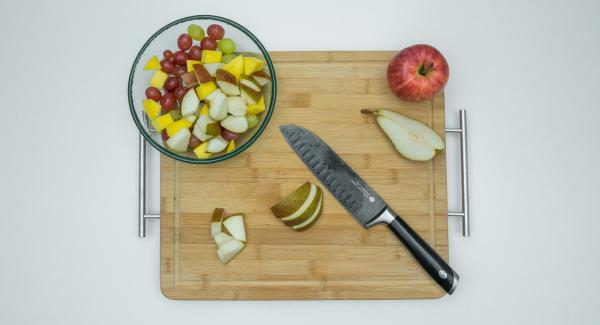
(527, 71)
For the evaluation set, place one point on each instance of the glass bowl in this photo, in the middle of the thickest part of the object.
(166, 38)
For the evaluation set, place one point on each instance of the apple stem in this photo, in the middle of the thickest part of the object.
(425, 68)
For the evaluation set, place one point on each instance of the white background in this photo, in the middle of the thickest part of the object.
(527, 71)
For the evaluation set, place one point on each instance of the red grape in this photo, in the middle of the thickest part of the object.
(184, 42)
(179, 70)
(171, 83)
(228, 135)
(216, 32)
(195, 53)
(179, 58)
(168, 102)
(167, 66)
(164, 134)
(194, 142)
(168, 54)
(208, 44)
(153, 93)
(180, 92)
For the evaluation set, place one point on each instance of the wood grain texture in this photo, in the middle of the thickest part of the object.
(336, 258)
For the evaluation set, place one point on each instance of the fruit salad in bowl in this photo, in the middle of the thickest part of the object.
(202, 89)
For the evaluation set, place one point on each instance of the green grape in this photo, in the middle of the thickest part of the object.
(196, 32)
(227, 46)
(252, 120)
(228, 57)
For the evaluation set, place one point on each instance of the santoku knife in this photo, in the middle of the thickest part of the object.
(366, 206)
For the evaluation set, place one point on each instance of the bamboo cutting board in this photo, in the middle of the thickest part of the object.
(336, 258)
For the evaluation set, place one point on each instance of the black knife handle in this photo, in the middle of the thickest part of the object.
(437, 268)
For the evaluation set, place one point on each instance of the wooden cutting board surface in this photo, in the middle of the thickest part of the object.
(336, 258)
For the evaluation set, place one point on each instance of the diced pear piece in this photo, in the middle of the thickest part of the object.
(212, 68)
(191, 118)
(229, 250)
(216, 144)
(236, 124)
(179, 142)
(250, 83)
(407, 143)
(200, 127)
(216, 221)
(213, 95)
(252, 64)
(249, 95)
(152, 64)
(190, 104)
(235, 225)
(213, 129)
(218, 107)
(236, 106)
(417, 130)
(221, 238)
(227, 82)
(261, 78)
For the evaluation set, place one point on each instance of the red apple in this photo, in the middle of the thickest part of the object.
(417, 73)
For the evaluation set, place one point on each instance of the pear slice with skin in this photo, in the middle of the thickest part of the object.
(229, 250)
(235, 225)
(310, 221)
(293, 202)
(307, 213)
(221, 238)
(216, 221)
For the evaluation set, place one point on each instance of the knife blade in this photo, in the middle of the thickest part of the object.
(362, 202)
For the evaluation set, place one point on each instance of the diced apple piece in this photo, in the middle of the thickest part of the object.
(252, 64)
(236, 124)
(236, 106)
(218, 107)
(152, 108)
(158, 79)
(190, 104)
(205, 89)
(200, 151)
(249, 81)
(221, 238)
(190, 65)
(202, 75)
(230, 146)
(160, 123)
(216, 221)
(235, 225)
(176, 126)
(216, 144)
(152, 64)
(189, 79)
(235, 66)
(227, 82)
(210, 56)
(213, 67)
(249, 95)
(229, 250)
(261, 77)
(179, 142)
(257, 108)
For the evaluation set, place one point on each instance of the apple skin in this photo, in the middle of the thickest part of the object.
(417, 73)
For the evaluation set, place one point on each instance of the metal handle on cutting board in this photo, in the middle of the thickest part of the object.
(464, 214)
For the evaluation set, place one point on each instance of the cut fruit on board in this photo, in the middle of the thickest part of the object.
(216, 222)
(235, 225)
(229, 250)
(301, 209)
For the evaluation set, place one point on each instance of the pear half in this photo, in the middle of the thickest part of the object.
(411, 138)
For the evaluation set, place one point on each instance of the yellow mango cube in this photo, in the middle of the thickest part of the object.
(209, 56)
(235, 66)
(200, 151)
(205, 89)
(152, 64)
(152, 108)
(231, 146)
(177, 126)
(190, 64)
(162, 122)
(259, 107)
(158, 80)
(204, 110)
(251, 65)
